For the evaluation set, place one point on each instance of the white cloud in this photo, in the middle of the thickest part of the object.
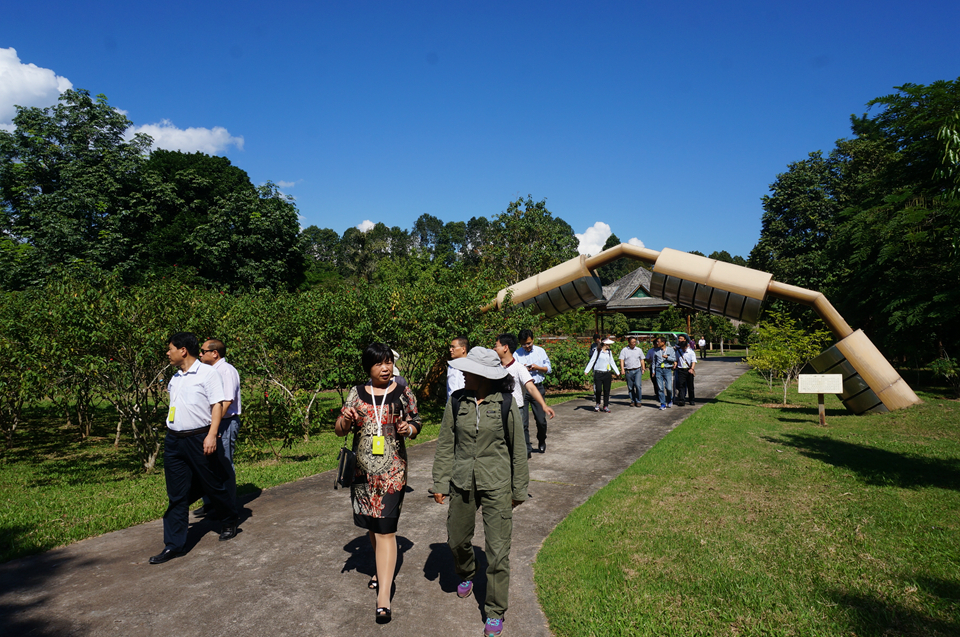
(26, 85)
(636, 242)
(593, 238)
(365, 226)
(286, 184)
(205, 140)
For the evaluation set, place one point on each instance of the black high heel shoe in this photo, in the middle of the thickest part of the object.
(383, 615)
(372, 584)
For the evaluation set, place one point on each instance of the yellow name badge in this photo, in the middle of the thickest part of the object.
(379, 443)
(171, 413)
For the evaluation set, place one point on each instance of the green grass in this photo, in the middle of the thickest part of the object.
(55, 490)
(754, 521)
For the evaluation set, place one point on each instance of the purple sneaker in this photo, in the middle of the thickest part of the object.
(493, 627)
(464, 588)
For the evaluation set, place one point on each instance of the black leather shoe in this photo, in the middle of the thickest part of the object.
(165, 556)
(203, 510)
(543, 447)
(228, 532)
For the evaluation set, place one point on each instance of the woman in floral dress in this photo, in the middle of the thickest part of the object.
(381, 414)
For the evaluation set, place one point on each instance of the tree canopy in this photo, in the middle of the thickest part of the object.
(875, 225)
(75, 191)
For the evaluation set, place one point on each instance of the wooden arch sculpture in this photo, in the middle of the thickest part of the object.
(870, 383)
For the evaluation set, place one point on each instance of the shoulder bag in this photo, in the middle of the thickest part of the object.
(346, 464)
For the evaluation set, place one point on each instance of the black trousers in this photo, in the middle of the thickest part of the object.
(189, 474)
(684, 385)
(601, 381)
(538, 415)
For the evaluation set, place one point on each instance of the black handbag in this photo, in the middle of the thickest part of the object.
(346, 465)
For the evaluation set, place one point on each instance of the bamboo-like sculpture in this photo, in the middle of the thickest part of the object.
(870, 383)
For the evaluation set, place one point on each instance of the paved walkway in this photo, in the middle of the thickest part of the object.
(300, 567)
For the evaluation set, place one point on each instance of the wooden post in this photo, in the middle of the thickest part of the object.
(819, 384)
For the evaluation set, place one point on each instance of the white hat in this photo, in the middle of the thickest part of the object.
(482, 362)
(607, 341)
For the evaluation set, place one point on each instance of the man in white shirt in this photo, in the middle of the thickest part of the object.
(214, 353)
(505, 346)
(458, 349)
(193, 459)
(535, 359)
(631, 366)
(686, 366)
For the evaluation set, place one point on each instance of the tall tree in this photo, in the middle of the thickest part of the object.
(67, 176)
(251, 240)
(527, 239)
(797, 221)
(897, 246)
(183, 189)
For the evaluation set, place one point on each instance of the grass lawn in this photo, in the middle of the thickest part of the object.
(756, 521)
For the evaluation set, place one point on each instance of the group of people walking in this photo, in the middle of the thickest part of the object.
(480, 462)
(672, 370)
(202, 423)
(481, 457)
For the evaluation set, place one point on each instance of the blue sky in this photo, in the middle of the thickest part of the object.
(661, 122)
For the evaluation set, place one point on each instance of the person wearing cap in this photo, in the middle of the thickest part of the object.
(480, 464)
(604, 369)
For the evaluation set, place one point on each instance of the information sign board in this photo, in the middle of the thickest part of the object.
(820, 384)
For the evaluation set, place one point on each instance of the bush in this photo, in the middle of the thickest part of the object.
(567, 360)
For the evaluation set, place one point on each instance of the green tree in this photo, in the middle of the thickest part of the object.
(21, 373)
(781, 347)
(896, 248)
(321, 247)
(181, 190)
(724, 256)
(67, 178)
(251, 240)
(798, 219)
(619, 268)
(527, 239)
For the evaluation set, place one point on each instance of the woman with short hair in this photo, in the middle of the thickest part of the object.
(380, 413)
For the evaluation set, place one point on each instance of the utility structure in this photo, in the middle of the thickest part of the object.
(870, 383)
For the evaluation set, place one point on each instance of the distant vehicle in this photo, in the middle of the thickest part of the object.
(671, 336)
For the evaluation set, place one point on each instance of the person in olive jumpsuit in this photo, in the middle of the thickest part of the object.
(481, 462)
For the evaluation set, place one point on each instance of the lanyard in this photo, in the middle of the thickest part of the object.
(379, 412)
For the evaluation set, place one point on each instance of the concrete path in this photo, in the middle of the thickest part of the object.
(300, 566)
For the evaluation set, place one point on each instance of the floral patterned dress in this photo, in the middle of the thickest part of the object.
(377, 491)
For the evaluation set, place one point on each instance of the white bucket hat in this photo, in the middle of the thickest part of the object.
(482, 362)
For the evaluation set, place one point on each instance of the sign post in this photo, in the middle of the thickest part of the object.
(820, 384)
